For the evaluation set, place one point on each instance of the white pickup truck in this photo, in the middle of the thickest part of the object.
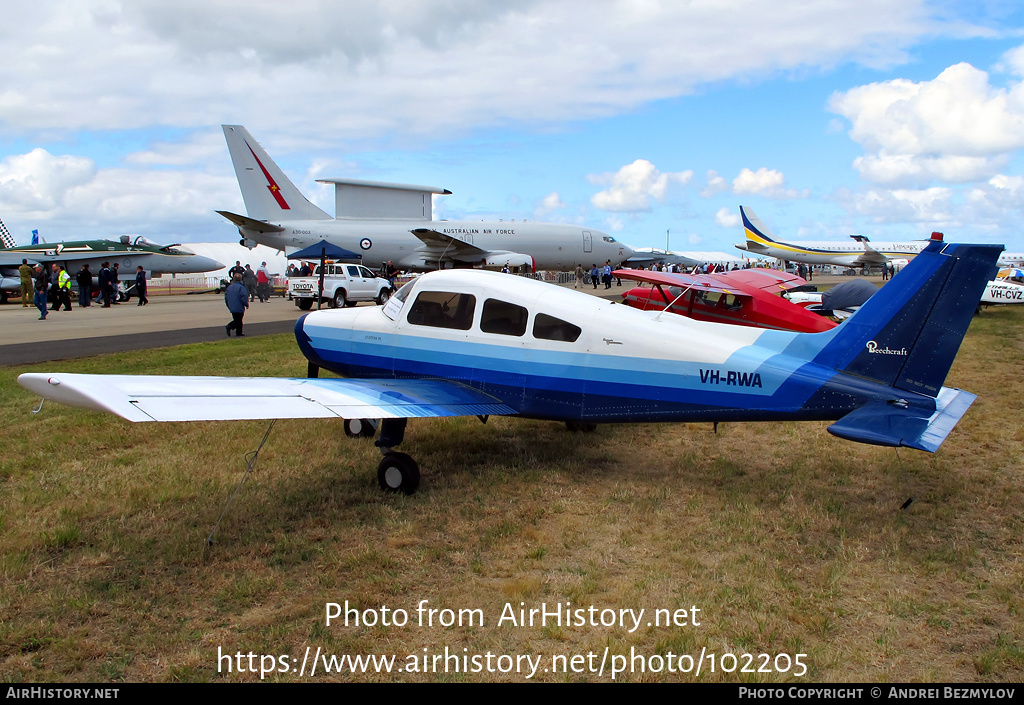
(344, 285)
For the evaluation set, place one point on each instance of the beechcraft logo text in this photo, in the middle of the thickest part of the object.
(872, 347)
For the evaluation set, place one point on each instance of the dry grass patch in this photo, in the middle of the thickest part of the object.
(786, 539)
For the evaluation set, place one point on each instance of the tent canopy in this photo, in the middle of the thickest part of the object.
(324, 249)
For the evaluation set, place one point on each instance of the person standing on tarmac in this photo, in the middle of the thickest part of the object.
(236, 298)
(25, 271)
(64, 288)
(105, 286)
(42, 283)
(140, 286)
(84, 279)
(54, 286)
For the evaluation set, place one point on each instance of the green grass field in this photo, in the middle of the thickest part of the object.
(787, 540)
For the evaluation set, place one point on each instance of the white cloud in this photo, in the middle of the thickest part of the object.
(991, 201)
(727, 218)
(354, 69)
(932, 205)
(888, 169)
(634, 186)
(549, 204)
(614, 223)
(71, 195)
(205, 145)
(769, 183)
(39, 181)
(716, 184)
(953, 129)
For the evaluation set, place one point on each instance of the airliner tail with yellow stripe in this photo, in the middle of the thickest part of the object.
(859, 252)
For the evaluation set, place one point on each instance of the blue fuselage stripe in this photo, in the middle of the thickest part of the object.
(756, 383)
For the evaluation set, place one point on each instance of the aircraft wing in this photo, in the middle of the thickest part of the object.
(884, 424)
(448, 246)
(764, 279)
(63, 256)
(871, 256)
(442, 248)
(698, 282)
(156, 398)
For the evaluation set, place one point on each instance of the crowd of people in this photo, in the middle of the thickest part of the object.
(52, 285)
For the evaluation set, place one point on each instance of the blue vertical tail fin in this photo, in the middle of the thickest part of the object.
(908, 335)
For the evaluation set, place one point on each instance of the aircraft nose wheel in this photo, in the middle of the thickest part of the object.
(360, 428)
(398, 472)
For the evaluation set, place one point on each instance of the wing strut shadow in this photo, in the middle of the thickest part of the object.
(250, 464)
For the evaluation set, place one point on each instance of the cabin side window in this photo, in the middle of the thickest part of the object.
(547, 327)
(503, 318)
(443, 309)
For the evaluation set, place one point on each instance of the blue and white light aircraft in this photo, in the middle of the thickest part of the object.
(471, 342)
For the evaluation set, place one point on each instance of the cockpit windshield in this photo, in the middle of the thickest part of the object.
(394, 305)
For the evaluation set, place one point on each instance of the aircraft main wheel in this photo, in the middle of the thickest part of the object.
(580, 427)
(339, 298)
(383, 296)
(360, 428)
(305, 304)
(398, 472)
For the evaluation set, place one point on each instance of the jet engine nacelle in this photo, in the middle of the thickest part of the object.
(512, 259)
(246, 242)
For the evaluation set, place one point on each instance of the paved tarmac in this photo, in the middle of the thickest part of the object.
(165, 321)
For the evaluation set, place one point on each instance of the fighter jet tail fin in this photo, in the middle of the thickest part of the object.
(268, 194)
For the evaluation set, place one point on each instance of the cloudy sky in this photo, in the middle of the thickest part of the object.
(890, 118)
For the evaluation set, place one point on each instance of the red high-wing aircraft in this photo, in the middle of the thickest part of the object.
(745, 297)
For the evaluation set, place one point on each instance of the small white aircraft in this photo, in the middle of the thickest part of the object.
(470, 342)
(392, 222)
(1007, 288)
(859, 253)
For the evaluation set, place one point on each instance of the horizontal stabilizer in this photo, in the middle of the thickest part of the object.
(156, 398)
(883, 424)
(248, 223)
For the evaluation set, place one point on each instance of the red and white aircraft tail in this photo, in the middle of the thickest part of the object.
(268, 194)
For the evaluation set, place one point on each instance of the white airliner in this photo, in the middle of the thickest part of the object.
(860, 252)
(392, 222)
(1011, 259)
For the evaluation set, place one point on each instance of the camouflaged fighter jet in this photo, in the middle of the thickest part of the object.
(127, 252)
